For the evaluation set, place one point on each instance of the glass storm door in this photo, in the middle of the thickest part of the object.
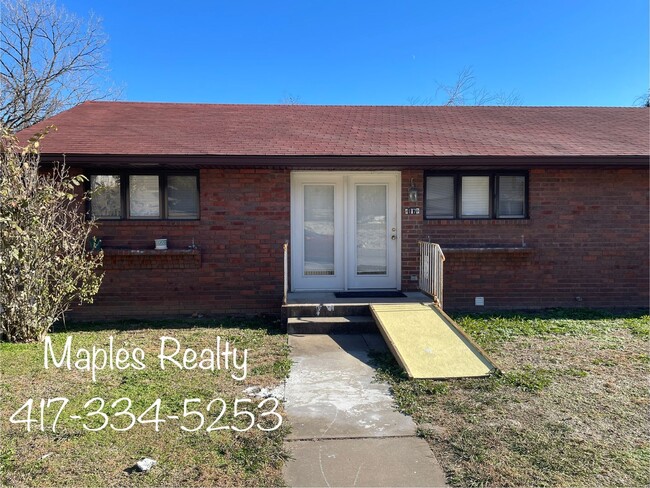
(344, 231)
(372, 232)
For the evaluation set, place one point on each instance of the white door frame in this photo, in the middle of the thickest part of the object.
(343, 181)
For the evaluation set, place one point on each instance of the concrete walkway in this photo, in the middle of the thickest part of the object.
(346, 431)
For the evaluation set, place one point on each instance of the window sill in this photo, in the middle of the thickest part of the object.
(487, 249)
(151, 252)
(147, 222)
(162, 259)
(477, 221)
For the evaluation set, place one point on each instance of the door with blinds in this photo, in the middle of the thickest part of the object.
(344, 231)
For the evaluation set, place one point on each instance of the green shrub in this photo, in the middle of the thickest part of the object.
(44, 264)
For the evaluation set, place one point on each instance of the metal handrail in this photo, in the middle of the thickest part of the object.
(431, 271)
(285, 248)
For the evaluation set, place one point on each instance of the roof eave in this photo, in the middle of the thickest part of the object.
(361, 161)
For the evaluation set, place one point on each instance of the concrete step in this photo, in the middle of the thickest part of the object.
(351, 324)
(325, 310)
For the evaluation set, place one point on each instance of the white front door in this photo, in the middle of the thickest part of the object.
(344, 229)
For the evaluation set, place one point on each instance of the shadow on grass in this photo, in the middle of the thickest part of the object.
(387, 367)
(557, 313)
(271, 324)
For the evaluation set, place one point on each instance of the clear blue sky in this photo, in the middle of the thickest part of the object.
(550, 52)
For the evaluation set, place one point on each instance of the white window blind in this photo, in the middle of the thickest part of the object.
(475, 196)
(319, 230)
(440, 197)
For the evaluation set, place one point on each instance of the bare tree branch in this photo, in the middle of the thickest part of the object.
(457, 93)
(465, 92)
(51, 60)
(420, 101)
(643, 100)
(290, 100)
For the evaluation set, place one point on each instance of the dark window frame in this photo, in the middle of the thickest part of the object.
(493, 196)
(162, 194)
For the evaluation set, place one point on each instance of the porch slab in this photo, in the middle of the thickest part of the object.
(328, 298)
(324, 313)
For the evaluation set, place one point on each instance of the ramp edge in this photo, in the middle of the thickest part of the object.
(469, 339)
(389, 342)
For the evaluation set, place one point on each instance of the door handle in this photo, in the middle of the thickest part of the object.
(393, 237)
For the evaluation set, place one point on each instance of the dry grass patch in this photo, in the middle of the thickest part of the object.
(570, 408)
(74, 456)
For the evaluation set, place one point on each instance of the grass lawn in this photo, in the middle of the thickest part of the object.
(571, 407)
(75, 456)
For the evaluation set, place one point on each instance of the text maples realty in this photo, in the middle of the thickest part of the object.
(223, 356)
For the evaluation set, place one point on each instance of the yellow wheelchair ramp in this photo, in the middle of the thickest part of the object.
(427, 343)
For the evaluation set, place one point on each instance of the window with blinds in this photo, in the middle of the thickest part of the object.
(475, 196)
(440, 197)
(512, 197)
(496, 195)
(163, 195)
(106, 196)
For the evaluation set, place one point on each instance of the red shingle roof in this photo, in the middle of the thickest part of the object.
(126, 128)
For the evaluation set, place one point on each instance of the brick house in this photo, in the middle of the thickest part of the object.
(533, 206)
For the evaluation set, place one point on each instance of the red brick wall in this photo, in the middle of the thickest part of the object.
(239, 268)
(586, 245)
